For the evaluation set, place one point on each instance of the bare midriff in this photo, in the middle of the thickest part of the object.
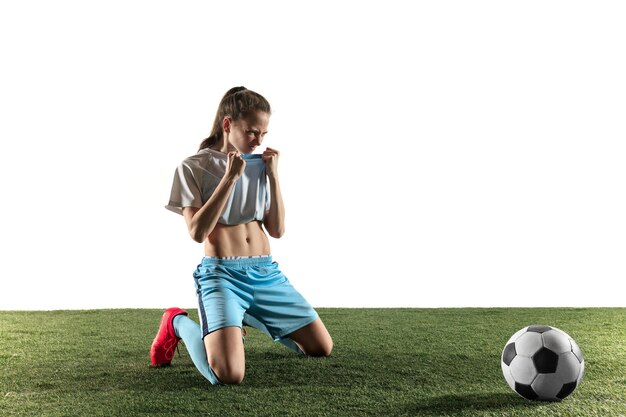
(237, 240)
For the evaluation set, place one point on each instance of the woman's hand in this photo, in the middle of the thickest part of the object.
(234, 165)
(274, 220)
(270, 157)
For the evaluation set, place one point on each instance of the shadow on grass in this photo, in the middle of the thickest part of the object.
(263, 369)
(283, 368)
(447, 404)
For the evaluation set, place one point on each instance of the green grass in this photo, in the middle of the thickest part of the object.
(430, 362)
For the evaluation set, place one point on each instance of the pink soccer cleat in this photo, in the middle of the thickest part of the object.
(166, 341)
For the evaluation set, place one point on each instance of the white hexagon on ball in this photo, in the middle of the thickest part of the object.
(528, 344)
(523, 370)
(548, 385)
(557, 341)
(569, 368)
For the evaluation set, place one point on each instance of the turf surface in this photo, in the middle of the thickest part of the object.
(386, 362)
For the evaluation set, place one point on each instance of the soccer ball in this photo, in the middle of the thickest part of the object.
(542, 363)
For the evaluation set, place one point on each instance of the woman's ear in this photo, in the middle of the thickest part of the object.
(226, 123)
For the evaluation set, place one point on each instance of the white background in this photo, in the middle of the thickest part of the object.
(444, 153)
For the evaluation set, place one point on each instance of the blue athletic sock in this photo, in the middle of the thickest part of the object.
(252, 322)
(190, 332)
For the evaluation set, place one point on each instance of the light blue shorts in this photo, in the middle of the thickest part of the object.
(250, 291)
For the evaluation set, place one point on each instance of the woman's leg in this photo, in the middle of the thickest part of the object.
(226, 355)
(223, 297)
(225, 363)
(313, 339)
(191, 334)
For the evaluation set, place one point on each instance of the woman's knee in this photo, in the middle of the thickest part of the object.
(328, 347)
(227, 372)
(314, 339)
(321, 349)
(321, 346)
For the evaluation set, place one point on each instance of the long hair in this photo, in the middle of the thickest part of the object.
(238, 102)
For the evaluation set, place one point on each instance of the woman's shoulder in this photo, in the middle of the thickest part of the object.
(202, 158)
(206, 163)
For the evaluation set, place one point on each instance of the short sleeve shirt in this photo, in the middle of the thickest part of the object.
(197, 177)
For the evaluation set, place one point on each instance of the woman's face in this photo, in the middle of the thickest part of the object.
(247, 133)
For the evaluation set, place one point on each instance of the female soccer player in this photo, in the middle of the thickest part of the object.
(227, 195)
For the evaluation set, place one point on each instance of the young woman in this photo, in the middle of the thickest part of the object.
(227, 195)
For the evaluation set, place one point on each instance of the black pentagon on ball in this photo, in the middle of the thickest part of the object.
(526, 391)
(545, 361)
(566, 390)
(538, 328)
(509, 353)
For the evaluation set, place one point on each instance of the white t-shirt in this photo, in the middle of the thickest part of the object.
(197, 177)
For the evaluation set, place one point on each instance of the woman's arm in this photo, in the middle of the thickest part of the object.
(274, 221)
(202, 221)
